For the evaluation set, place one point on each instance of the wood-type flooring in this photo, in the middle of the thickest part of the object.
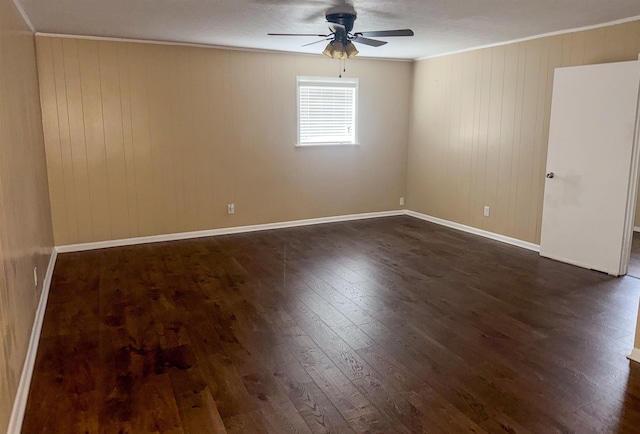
(382, 325)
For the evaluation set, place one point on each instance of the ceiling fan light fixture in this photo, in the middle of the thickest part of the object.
(328, 50)
(338, 50)
(351, 51)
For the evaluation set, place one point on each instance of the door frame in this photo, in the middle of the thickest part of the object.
(633, 193)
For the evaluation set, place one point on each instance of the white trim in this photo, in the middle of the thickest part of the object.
(24, 15)
(635, 355)
(542, 35)
(20, 401)
(636, 229)
(313, 145)
(290, 224)
(223, 231)
(263, 50)
(193, 44)
(464, 228)
(632, 194)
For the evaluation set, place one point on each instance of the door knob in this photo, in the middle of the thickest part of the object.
(550, 175)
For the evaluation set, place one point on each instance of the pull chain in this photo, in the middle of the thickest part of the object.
(343, 67)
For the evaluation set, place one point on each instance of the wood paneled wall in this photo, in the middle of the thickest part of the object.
(480, 123)
(25, 221)
(147, 139)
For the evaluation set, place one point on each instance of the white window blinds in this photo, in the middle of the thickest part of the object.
(327, 111)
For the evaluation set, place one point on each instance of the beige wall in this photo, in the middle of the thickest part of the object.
(147, 139)
(25, 222)
(480, 122)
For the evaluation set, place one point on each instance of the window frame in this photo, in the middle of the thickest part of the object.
(351, 83)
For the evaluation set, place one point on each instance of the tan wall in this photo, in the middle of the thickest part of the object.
(147, 139)
(480, 122)
(25, 222)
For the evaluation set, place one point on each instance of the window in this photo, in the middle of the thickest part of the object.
(327, 111)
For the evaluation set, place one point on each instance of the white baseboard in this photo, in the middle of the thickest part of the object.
(223, 231)
(20, 402)
(491, 235)
(636, 229)
(635, 355)
(290, 224)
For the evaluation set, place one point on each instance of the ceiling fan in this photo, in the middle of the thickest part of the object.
(342, 38)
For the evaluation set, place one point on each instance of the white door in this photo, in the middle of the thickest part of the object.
(585, 217)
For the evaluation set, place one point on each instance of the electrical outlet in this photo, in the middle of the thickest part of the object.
(35, 276)
(486, 211)
(231, 208)
(402, 201)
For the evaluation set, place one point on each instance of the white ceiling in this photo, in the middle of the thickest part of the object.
(441, 26)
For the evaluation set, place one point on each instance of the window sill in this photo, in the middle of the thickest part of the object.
(313, 145)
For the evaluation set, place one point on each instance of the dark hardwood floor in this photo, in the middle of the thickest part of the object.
(383, 325)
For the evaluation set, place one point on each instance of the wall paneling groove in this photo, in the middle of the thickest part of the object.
(148, 139)
(480, 126)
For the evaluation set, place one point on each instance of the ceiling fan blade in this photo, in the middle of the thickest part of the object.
(335, 27)
(317, 42)
(367, 41)
(298, 34)
(386, 33)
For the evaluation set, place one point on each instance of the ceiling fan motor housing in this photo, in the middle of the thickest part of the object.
(344, 19)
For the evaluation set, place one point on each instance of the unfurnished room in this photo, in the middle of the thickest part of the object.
(256, 216)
